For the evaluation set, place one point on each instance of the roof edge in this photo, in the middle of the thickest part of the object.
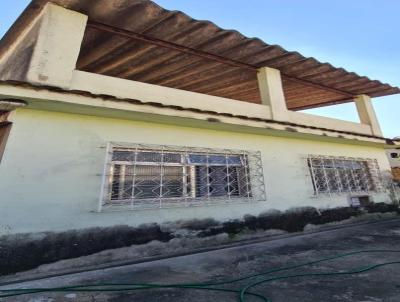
(387, 141)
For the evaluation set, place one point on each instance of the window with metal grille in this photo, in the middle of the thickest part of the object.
(143, 176)
(340, 174)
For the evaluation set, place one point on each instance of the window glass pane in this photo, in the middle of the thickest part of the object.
(345, 177)
(328, 163)
(320, 181)
(123, 155)
(149, 177)
(147, 182)
(333, 181)
(122, 182)
(218, 180)
(353, 180)
(244, 183)
(148, 157)
(348, 164)
(335, 175)
(115, 170)
(172, 158)
(201, 181)
(338, 163)
(234, 160)
(316, 162)
(356, 165)
(364, 175)
(232, 186)
(198, 159)
(172, 182)
(201, 159)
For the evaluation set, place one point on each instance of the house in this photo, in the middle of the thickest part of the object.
(120, 112)
(393, 154)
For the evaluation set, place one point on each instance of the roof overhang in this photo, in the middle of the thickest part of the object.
(138, 40)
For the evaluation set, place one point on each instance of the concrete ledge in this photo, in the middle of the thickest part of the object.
(330, 123)
(81, 102)
(99, 84)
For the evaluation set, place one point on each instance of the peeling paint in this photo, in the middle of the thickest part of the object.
(213, 120)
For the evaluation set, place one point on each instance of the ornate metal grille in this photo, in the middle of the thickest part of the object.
(148, 176)
(341, 174)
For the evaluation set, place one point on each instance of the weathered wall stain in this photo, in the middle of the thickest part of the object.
(26, 251)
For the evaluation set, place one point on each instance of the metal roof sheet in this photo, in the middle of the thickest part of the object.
(306, 81)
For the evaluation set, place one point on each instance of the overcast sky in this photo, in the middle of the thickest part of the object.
(358, 35)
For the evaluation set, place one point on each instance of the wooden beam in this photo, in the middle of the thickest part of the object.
(166, 44)
(321, 104)
(319, 86)
(199, 53)
(187, 66)
(170, 74)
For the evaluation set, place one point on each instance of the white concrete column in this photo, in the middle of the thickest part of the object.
(367, 114)
(57, 46)
(271, 91)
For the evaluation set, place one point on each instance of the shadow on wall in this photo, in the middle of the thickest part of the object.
(27, 251)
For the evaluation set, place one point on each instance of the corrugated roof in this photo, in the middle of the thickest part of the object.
(306, 81)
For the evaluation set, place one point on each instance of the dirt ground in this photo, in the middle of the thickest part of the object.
(378, 285)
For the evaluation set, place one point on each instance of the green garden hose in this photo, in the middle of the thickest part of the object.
(242, 292)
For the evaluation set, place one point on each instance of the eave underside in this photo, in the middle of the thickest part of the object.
(306, 82)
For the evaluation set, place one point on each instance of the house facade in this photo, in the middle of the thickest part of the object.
(126, 113)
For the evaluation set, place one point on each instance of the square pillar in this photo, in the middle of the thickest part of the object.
(367, 114)
(57, 47)
(47, 51)
(271, 91)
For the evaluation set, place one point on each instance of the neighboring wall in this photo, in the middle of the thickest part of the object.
(394, 160)
(50, 175)
(326, 122)
(396, 173)
(394, 157)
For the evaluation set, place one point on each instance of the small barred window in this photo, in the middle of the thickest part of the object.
(143, 176)
(340, 175)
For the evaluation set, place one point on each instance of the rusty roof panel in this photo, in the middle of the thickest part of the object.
(306, 81)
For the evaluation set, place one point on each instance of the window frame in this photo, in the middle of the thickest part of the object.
(250, 162)
(374, 184)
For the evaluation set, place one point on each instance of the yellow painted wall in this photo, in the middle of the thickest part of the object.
(50, 175)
